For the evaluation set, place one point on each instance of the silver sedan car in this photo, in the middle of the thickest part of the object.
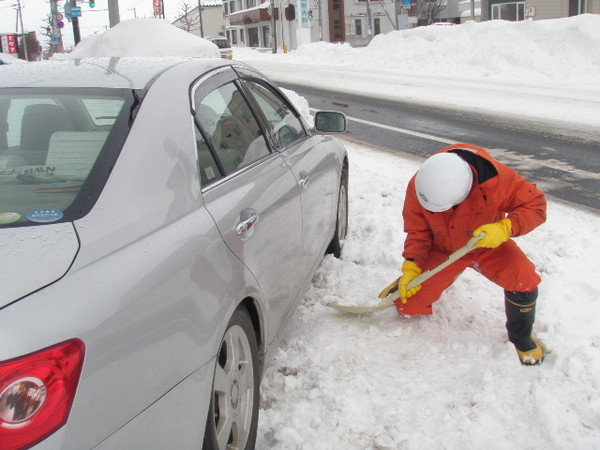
(160, 219)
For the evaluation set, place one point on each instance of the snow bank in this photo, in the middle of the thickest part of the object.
(144, 37)
(447, 381)
(9, 59)
(562, 49)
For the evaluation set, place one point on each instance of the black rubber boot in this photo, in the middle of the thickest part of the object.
(520, 315)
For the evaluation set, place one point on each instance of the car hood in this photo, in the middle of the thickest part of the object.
(33, 257)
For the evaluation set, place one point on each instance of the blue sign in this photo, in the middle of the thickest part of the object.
(406, 2)
(75, 11)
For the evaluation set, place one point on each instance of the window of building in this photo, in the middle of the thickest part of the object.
(358, 27)
(376, 26)
(577, 7)
(253, 37)
(266, 32)
(234, 37)
(514, 11)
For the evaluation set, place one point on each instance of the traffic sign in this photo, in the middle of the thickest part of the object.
(75, 11)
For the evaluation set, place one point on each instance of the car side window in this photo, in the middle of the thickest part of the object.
(285, 126)
(231, 128)
(209, 169)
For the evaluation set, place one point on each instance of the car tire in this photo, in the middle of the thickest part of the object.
(341, 224)
(233, 414)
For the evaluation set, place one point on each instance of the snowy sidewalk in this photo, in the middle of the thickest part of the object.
(449, 381)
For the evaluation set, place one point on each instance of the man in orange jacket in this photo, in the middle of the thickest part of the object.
(458, 193)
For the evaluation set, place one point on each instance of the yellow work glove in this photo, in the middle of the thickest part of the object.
(410, 271)
(495, 234)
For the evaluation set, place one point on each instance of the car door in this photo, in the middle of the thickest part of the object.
(312, 166)
(250, 193)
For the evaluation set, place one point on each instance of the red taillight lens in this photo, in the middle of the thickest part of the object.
(36, 393)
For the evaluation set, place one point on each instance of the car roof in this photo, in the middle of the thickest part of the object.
(124, 72)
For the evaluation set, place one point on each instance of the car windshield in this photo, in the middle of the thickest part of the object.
(50, 142)
(221, 43)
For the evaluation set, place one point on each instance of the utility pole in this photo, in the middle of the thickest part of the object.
(320, 21)
(369, 28)
(23, 40)
(56, 32)
(473, 10)
(200, 18)
(113, 12)
(273, 29)
(75, 22)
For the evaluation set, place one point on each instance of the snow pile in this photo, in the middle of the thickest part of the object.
(561, 49)
(5, 58)
(144, 37)
(451, 380)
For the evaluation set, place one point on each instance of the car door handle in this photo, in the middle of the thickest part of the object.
(304, 181)
(249, 218)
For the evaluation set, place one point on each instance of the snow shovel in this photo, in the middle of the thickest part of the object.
(390, 300)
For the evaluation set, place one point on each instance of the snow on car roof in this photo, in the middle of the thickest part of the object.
(126, 72)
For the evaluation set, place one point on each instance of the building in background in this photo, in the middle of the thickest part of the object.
(210, 23)
(291, 23)
(13, 44)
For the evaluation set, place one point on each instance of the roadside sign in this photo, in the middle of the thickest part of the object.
(75, 11)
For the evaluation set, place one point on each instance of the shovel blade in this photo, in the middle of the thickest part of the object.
(385, 303)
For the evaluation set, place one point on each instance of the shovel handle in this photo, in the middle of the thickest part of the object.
(453, 257)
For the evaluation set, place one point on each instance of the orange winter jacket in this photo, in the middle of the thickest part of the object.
(498, 192)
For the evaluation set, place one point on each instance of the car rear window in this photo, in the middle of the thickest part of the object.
(221, 43)
(50, 142)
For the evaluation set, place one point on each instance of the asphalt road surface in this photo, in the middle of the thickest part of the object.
(564, 162)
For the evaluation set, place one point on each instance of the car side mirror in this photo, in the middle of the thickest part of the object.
(330, 122)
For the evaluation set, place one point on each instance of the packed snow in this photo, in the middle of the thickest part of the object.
(143, 37)
(451, 380)
(533, 70)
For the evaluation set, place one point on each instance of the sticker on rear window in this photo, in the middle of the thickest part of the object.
(9, 217)
(45, 215)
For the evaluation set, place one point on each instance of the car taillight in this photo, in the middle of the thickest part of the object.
(36, 393)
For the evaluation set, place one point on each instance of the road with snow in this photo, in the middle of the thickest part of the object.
(563, 162)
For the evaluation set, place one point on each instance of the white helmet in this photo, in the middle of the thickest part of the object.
(443, 181)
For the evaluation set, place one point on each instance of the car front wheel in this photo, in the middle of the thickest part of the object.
(341, 225)
(233, 415)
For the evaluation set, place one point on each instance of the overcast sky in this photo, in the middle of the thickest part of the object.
(91, 21)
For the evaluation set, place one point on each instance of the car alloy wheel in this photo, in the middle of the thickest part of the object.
(233, 415)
